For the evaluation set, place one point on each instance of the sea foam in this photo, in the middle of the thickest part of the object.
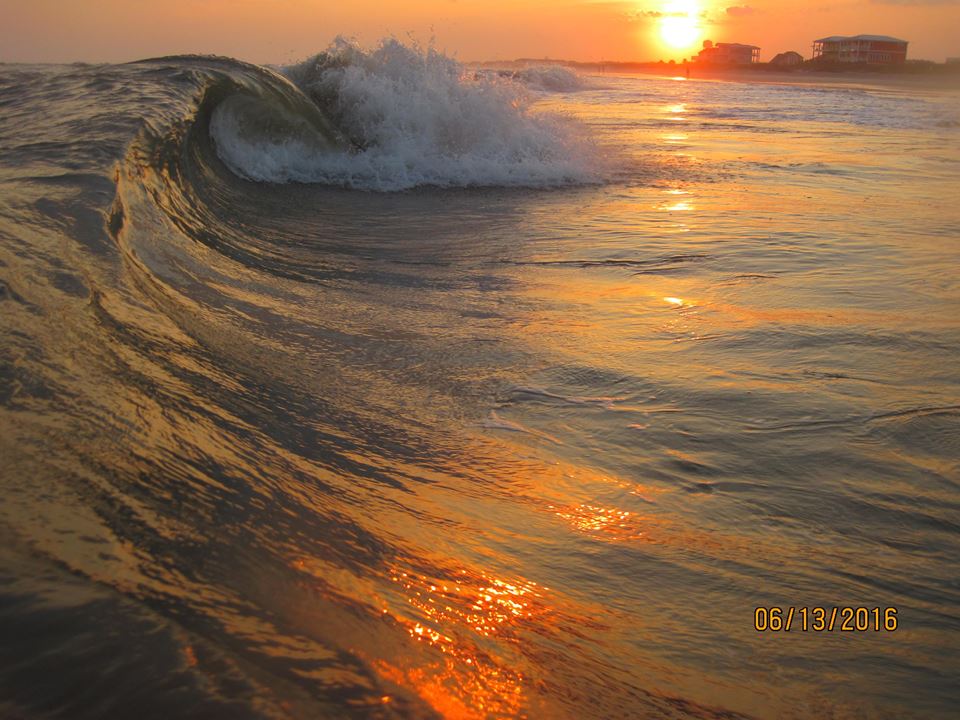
(553, 78)
(413, 117)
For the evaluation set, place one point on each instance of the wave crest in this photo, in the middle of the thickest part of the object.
(553, 78)
(414, 118)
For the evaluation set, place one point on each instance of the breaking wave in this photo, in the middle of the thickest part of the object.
(553, 78)
(407, 117)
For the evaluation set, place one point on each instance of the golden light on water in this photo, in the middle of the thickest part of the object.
(676, 112)
(679, 25)
(453, 617)
(601, 522)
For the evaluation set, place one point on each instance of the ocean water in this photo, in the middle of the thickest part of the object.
(381, 387)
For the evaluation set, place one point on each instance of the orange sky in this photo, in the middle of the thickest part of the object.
(284, 30)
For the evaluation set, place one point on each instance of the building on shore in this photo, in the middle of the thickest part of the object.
(728, 54)
(787, 58)
(869, 49)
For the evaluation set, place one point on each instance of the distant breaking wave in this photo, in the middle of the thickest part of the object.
(401, 116)
(553, 78)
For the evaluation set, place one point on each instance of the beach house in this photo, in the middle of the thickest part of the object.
(872, 49)
(728, 53)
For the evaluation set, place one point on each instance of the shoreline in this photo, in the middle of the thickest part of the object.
(931, 81)
(939, 78)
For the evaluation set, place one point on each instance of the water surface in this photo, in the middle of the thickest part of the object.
(624, 359)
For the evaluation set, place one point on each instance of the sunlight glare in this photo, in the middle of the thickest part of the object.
(680, 25)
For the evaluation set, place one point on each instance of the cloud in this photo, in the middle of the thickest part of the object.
(655, 14)
(740, 10)
(658, 14)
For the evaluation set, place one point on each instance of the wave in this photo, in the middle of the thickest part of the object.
(390, 119)
(410, 117)
(540, 78)
(553, 78)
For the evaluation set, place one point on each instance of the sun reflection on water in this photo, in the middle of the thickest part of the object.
(676, 111)
(459, 617)
(605, 523)
(485, 604)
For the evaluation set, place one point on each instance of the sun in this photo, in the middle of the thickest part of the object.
(680, 24)
(679, 32)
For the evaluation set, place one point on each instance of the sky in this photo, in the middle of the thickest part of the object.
(280, 31)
